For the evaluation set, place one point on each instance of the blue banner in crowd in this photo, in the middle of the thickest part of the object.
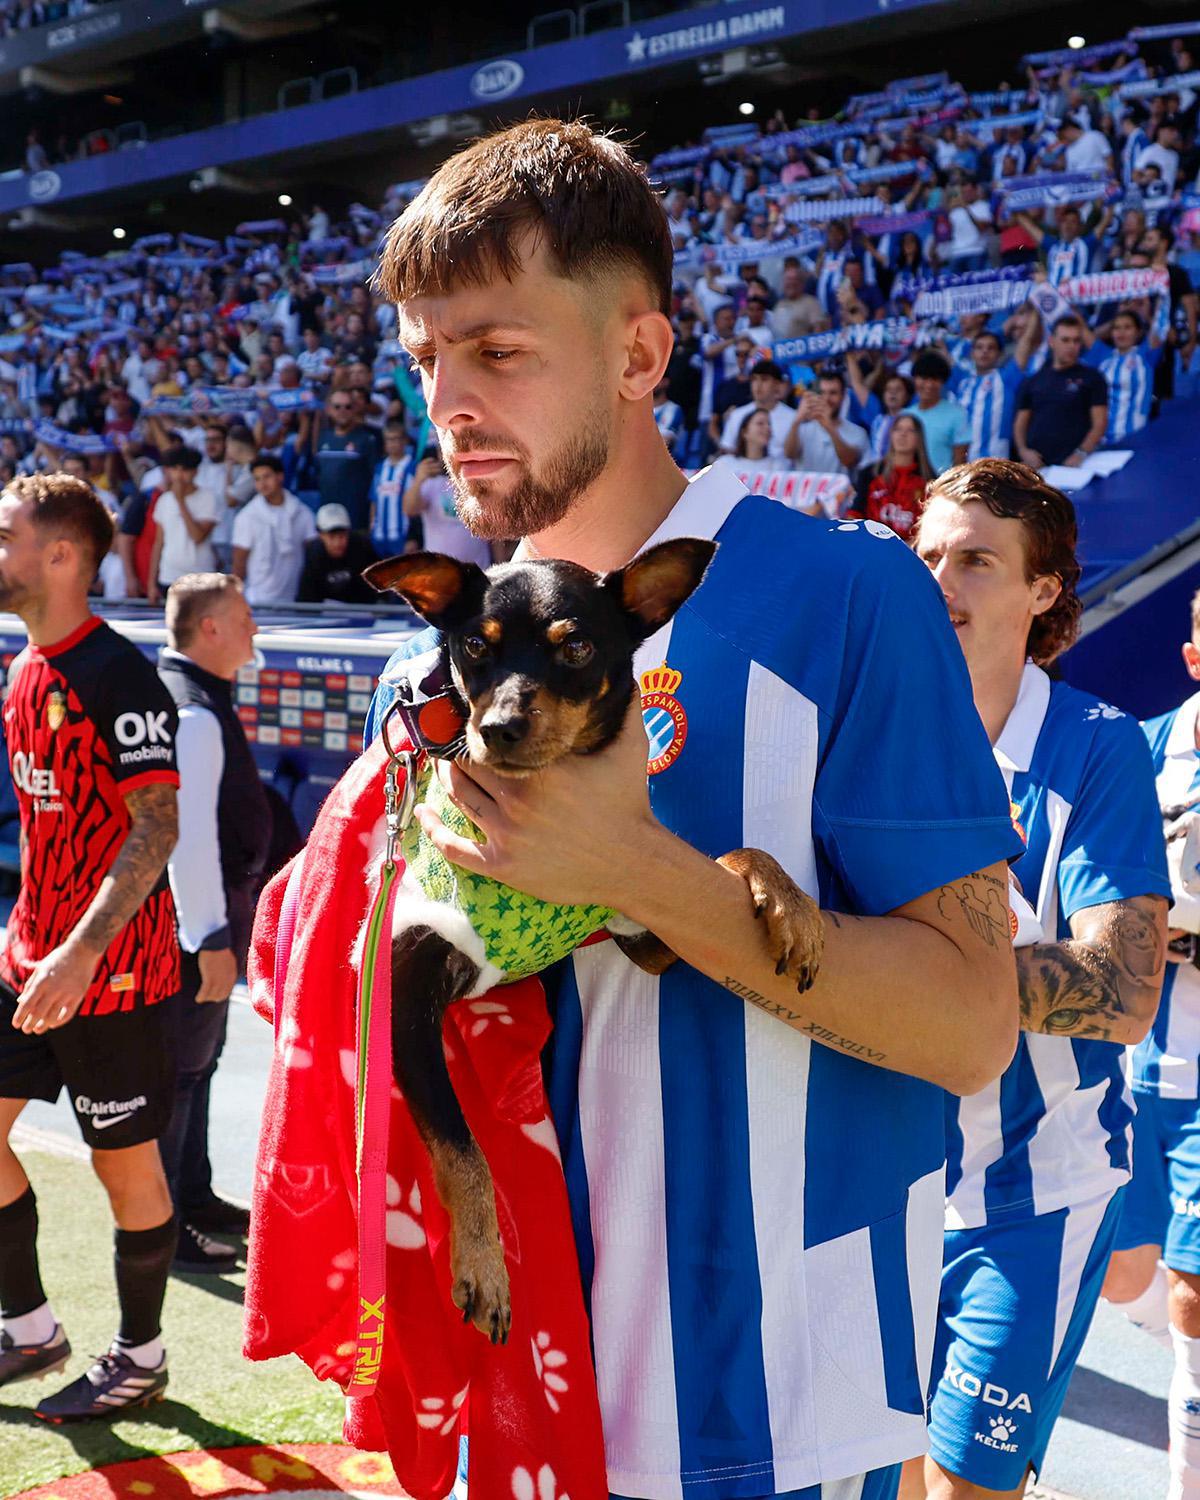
(1173, 84)
(886, 333)
(747, 252)
(1078, 56)
(78, 442)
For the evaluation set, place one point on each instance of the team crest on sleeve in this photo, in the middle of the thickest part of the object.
(56, 710)
(666, 723)
(1014, 813)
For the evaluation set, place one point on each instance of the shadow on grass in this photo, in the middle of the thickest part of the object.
(97, 1441)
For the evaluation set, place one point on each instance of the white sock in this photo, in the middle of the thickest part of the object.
(1149, 1312)
(147, 1356)
(1183, 1419)
(36, 1327)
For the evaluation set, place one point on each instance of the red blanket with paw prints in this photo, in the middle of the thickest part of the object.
(531, 1406)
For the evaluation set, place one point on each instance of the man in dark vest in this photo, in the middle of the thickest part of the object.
(225, 832)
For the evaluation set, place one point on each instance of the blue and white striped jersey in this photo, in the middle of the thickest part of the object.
(387, 497)
(1167, 1063)
(990, 401)
(1130, 380)
(759, 1217)
(1066, 259)
(1053, 1132)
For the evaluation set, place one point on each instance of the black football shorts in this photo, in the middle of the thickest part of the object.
(117, 1069)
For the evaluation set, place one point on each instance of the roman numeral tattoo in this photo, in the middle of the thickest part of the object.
(803, 1024)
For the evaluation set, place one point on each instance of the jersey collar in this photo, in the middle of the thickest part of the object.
(1182, 738)
(703, 508)
(1014, 749)
(78, 634)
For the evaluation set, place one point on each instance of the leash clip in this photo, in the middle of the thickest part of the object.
(398, 804)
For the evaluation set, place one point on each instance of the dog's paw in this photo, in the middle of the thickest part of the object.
(795, 932)
(481, 1290)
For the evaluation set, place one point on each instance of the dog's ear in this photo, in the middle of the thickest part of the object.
(441, 589)
(653, 586)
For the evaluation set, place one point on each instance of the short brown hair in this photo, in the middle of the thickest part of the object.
(67, 506)
(579, 190)
(192, 597)
(1018, 493)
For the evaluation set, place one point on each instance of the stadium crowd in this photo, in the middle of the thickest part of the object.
(1013, 269)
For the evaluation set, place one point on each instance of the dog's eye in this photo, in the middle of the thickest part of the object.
(475, 646)
(577, 652)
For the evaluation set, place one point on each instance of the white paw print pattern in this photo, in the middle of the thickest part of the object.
(1002, 1428)
(487, 1011)
(441, 1414)
(874, 528)
(1103, 711)
(549, 1363)
(404, 1228)
(543, 1134)
(291, 1053)
(343, 1264)
(544, 1487)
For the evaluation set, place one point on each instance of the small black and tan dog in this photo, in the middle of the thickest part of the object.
(539, 658)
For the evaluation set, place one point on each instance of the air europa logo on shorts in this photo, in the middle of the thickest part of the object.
(666, 723)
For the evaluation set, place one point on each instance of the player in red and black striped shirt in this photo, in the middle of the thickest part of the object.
(91, 948)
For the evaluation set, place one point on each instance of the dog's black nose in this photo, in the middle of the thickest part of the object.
(504, 734)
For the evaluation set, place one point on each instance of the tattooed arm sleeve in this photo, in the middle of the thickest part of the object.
(1103, 983)
(137, 867)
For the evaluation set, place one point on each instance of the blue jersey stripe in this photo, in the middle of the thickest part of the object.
(712, 1254)
(567, 1043)
(893, 1306)
(1009, 1179)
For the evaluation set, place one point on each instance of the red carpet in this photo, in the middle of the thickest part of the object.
(289, 1468)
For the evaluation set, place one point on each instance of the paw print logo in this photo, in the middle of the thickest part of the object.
(525, 1486)
(441, 1414)
(404, 1228)
(1103, 711)
(486, 1012)
(1003, 1428)
(549, 1362)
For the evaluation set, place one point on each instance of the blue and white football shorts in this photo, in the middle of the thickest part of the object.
(1016, 1303)
(1162, 1203)
(879, 1484)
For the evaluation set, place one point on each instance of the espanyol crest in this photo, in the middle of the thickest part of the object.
(663, 715)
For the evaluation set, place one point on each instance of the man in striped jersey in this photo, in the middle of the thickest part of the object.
(1155, 1273)
(755, 1175)
(1070, 252)
(1128, 364)
(989, 391)
(1037, 1161)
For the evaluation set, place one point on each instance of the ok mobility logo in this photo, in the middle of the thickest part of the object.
(707, 36)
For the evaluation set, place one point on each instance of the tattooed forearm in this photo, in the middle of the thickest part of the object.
(980, 900)
(1104, 982)
(141, 860)
(803, 1023)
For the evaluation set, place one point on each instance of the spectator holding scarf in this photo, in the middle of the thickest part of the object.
(1127, 358)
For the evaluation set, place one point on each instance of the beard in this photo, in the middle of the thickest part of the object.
(540, 498)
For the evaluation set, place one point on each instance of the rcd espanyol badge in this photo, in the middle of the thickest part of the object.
(665, 720)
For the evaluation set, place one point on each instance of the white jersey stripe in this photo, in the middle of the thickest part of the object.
(924, 1245)
(780, 739)
(631, 1305)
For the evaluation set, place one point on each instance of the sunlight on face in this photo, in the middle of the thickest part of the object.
(519, 378)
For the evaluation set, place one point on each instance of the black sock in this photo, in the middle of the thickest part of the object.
(21, 1287)
(143, 1263)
